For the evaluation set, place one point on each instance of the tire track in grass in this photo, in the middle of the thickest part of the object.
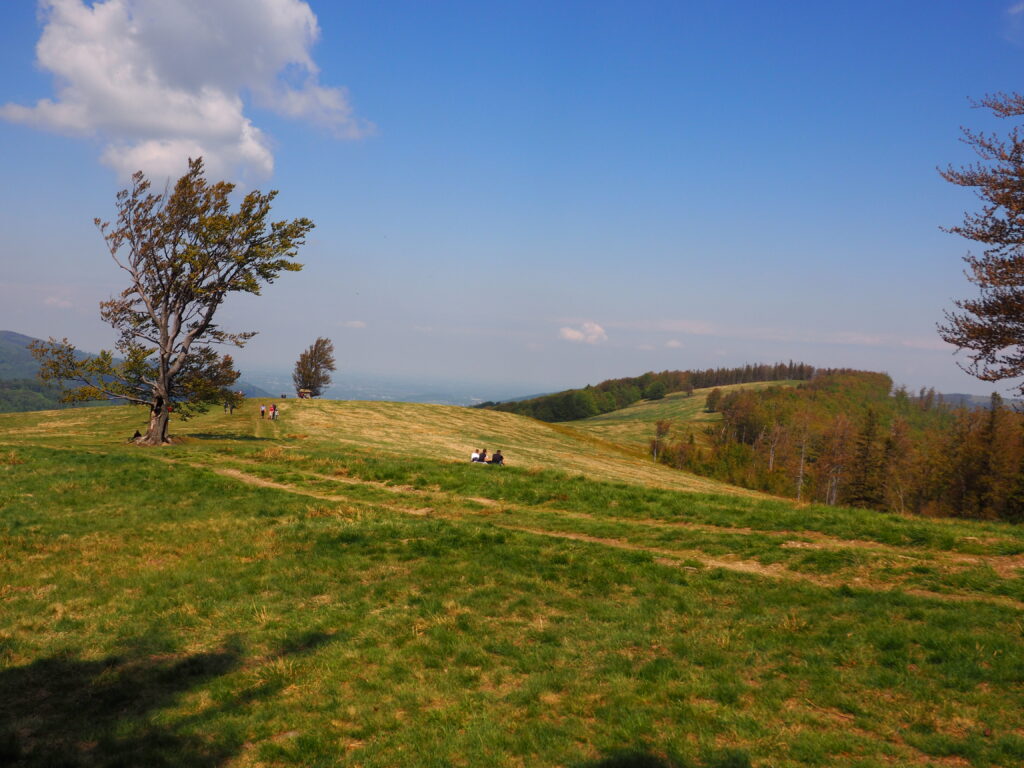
(1006, 566)
(678, 558)
(674, 558)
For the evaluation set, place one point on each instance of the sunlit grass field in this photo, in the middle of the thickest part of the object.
(341, 587)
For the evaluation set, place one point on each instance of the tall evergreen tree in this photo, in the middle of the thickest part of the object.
(991, 326)
(867, 471)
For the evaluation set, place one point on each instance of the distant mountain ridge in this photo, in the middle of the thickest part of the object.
(21, 390)
(16, 362)
(958, 399)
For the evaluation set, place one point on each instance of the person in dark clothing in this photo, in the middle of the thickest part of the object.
(498, 459)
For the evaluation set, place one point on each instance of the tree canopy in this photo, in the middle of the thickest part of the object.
(991, 326)
(312, 369)
(183, 254)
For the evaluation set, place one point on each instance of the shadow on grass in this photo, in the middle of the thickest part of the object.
(728, 758)
(226, 436)
(63, 712)
(633, 760)
(70, 712)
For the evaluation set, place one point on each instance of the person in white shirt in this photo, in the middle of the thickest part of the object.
(475, 456)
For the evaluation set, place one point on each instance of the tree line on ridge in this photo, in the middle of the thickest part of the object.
(612, 394)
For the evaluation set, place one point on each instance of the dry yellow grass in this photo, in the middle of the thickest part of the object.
(447, 433)
(451, 433)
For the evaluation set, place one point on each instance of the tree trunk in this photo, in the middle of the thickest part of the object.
(800, 474)
(156, 434)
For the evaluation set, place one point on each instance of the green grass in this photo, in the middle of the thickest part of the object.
(366, 606)
(634, 425)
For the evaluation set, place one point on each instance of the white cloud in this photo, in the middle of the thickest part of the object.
(353, 324)
(57, 301)
(157, 82)
(1015, 9)
(673, 344)
(588, 333)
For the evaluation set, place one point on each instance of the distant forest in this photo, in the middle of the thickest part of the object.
(610, 395)
(846, 438)
(18, 395)
(27, 395)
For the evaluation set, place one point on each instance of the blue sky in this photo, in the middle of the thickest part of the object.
(534, 194)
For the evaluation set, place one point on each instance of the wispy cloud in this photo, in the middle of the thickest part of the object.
(353, 324)
(587, 333)
(158, 82)
(794, 335)
(58, 302)
(1014, 23)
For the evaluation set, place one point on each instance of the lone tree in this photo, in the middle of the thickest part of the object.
(183, 254)
(991, 326)
(311, 369)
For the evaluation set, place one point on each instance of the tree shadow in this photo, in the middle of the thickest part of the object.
(71, 712)
(64, 712)
(633, 759)
(727, 758)
(223, 436)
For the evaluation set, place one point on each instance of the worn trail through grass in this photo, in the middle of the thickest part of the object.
(453, 507)
(340, 587)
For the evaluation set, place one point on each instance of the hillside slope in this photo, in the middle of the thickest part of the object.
(415, 431)
(15, 360)
(342, 587)
(634, 424)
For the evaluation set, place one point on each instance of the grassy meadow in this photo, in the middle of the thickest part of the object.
(634, 425)
(341, 587)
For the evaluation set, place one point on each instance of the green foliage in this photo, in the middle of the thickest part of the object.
(27, 395)
(183, 256)
(656, 390)
(713, 399)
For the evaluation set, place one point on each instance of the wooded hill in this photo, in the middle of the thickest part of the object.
(847, 438)
(612, 394)
(20, 390)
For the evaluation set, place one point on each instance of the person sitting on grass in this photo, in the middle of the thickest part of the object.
(483, 455)
(498, 459)
(475, 456)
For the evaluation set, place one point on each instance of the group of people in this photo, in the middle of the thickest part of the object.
(272, 412)
(479, 456)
